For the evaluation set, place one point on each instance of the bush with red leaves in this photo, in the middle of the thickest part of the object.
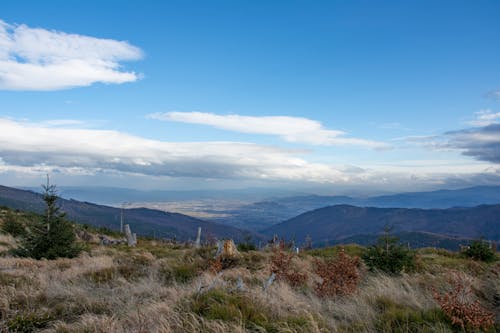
(215, 265)
(459, 306)
(281, 265)
(340, 275)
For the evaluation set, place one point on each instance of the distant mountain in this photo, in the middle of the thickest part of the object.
(269, 212)
(467, 197)
(118, 195)
(143, 221)
(334, 223)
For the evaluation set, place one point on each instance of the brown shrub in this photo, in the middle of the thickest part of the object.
(215, 265)
(281, 265)
(340, 275)
(459, 306)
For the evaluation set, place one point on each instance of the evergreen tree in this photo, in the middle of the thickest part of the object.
(480, 250)
(51, 236)
(388, 255)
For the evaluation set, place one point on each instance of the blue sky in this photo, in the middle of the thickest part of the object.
(327, 95)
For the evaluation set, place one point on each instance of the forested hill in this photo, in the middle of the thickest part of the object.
(342, 221)
(144, 221)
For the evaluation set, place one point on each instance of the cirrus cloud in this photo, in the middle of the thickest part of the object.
(40, 59)
(485, 118)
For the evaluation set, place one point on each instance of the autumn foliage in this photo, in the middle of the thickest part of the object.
(340, 275)
(281, 265)
(215, 265)
(459, 306)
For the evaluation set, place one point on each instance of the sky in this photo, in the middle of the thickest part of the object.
(324, 96)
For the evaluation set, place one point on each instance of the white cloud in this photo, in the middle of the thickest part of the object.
(39, 59)
(40, 145)
(485, 118)
(30, 149)
(291, 129)
(62, 123)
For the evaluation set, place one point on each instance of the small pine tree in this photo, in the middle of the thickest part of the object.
(480, 250)
(388, 255)
(51, 236)
(247, 245)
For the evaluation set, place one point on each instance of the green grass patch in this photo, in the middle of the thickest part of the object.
(241, 308)
(332, 251)
(253, 260)
(135, 265)
(28, 322)
(402, 319)
(438, 261)
(185, 272)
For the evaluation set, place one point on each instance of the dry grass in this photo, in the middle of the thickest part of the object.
(7, 243)
(158, 288)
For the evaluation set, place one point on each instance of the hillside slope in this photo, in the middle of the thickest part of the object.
(342, 221)
(143, 221)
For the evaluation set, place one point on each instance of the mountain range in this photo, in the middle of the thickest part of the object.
(262, 214)
(330, 224)
(340, 222)
(115, 196)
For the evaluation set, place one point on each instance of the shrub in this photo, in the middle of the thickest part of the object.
(218, 264)
(281, 265)
(215, 265)
(389, 256)
(480, 250)
(12, 226)
(247, 245)
(459, 306)
(339, 275)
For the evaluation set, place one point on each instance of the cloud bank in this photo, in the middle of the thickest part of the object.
(39, 59)
(482, 143)
(35, 145)
(39, 148)
(291, 129)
